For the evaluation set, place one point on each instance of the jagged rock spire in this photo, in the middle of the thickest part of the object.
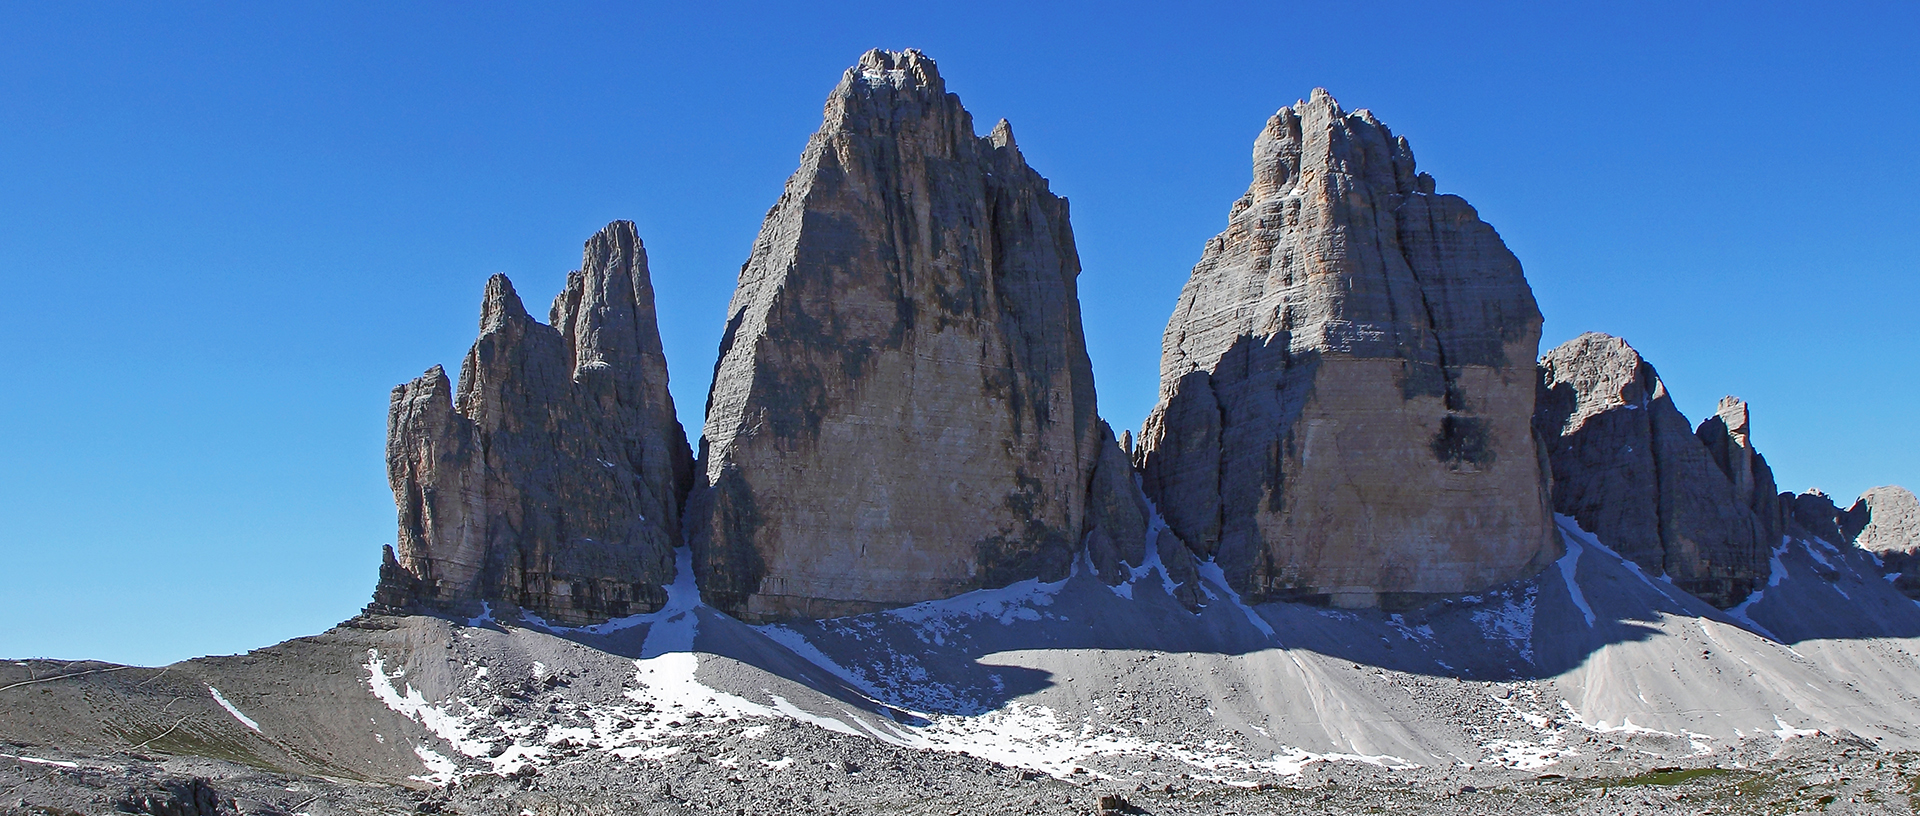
(1346, 381)
(1728, 435)
(551, 478)
(903, 407)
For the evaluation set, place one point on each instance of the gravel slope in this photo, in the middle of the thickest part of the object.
(1033, 698)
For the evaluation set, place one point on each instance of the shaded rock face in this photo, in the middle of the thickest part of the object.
(1346, 384)
(1729, 441)
(551, 477)
(1885, 521)
(903, 407)
(1814, 515)
(1627, 464)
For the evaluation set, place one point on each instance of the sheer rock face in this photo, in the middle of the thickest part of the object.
(903, 407)
(1628, 466)
(1347, 382)
(552, 477)
(1885, 521)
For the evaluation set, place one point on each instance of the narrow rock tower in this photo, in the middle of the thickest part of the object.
(552, 478)
(903, 407)
(1347, 381)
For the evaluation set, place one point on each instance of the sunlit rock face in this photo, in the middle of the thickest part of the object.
(1885, 521)
(1346, 383)
(903, 407)
(1695, 506)
(551, 478)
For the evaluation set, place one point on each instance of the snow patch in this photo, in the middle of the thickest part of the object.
(1786, 732)
(1511, 620)
(935, 620)
(38, 761)
(244, 719)
(1744, 611)
(441, 771)
(1569, 565)
(1212, 572)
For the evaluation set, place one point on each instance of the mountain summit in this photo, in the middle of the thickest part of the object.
(903, 408)
(551, 479)
(1346, 384)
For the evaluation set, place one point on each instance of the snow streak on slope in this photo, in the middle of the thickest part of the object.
(244, 719)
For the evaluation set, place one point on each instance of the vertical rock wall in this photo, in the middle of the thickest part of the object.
(903, 406)
(551, 478)
(1347, 382)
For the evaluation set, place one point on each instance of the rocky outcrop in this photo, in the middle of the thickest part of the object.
(1814, 515)
(1630, 468)
(551, 477)
(1885, 521)
(1730, 442)
(903, 406)
(1346, 384)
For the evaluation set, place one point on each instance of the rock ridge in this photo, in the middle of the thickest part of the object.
(1695, 505)
(551, 477)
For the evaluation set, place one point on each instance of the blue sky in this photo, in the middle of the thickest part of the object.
(229, 230)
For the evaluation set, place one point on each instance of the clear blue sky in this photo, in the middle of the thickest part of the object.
(227, 231)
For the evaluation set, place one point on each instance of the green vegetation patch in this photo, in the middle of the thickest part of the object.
(1667, 776)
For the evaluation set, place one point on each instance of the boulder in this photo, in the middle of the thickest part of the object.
(1346, 383)
(1630, 468)
(903, 407)
(551, 477)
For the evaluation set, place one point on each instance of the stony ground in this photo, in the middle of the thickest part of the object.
(792, 768)
(1590, 689)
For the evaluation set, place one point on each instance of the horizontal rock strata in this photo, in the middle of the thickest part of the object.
(551, 477)
(1346, 383)
(1697, 507)
(903, 407)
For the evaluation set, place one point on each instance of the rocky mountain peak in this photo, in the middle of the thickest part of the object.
(903, 408)
(551, 478)
(898, 69)
(500, 304)
(1886, 520)
(1345, 403)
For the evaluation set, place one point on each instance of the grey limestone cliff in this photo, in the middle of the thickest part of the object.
(903, 407)
(1346, 383)
(551, 477)
(1631, 469)
(1885, 521)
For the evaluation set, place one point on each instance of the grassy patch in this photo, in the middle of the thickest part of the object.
(1667, 776)
(183, 739)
